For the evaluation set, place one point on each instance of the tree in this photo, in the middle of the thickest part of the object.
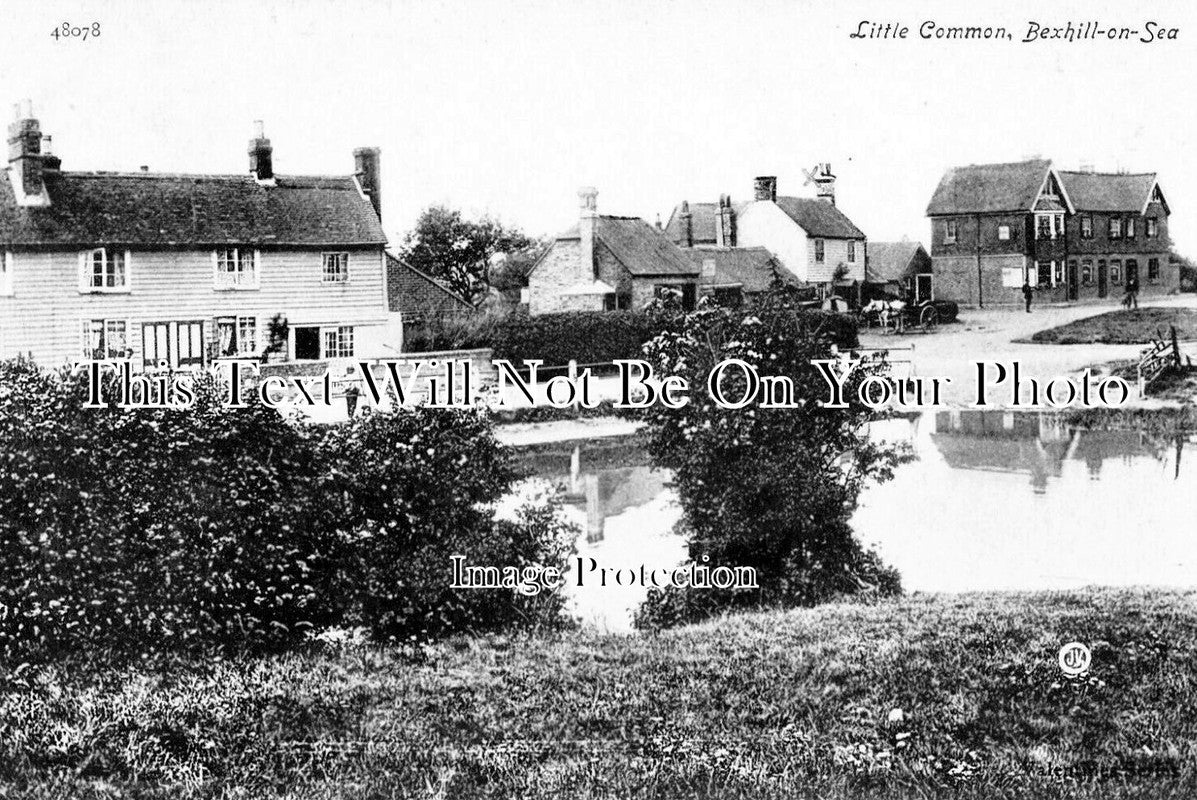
(447, 246)
(767, 488)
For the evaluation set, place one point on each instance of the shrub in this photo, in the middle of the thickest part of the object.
(418, 488)
(771, 489)
(126, 530)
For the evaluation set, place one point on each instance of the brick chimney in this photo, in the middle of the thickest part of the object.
(686, 224)
(765, 188)
(825, 184)
(725, 223)
(588, 228)
(25, 159)
(369, 175)
(261, 160)
(50, 162)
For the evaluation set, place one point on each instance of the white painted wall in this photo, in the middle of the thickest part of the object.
(763, 224)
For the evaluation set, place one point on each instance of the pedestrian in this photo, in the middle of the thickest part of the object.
(1027, 293)
(1132, 289)
(352, 392)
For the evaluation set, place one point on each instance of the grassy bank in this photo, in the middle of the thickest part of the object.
(1137, 326)
(927, 696)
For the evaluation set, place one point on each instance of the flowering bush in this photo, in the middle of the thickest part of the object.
(769, 488)
(125, 530)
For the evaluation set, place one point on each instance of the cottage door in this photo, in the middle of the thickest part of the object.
(155, 345)
(189, 347)
(1073, 280)
(1103, 279)
(922, 288)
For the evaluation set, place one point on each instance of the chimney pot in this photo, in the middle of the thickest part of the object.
(369, 175)
(765, 188)
(261, 154)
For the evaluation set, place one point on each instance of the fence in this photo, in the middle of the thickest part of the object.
(1159, 356)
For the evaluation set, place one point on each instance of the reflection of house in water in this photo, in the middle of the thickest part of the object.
(610, 492)
(606, 477)
(1032, 443)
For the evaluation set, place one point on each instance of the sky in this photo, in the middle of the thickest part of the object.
(507, 108)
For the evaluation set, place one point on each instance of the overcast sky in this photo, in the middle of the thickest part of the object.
(508, 107)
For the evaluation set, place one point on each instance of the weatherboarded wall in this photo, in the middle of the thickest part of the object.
(45, 313)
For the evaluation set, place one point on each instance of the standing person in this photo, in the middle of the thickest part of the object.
(352, 392)
(1027, 293)
(1132, 289)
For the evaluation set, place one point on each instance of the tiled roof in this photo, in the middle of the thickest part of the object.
(702, 223)
(753, 268)
(989, 188)
(153, 209)
(640, 247)
(890, 261)
(395, 263)
(1105, 191)
(819, 218)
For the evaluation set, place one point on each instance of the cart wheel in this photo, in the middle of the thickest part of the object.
(929, 318)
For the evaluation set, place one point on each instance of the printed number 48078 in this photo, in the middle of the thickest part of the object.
(66, 31)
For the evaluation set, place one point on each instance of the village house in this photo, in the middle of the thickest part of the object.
(180, 269)
(1070, 235)
(901, 269)
(811, 238)
(609, 263)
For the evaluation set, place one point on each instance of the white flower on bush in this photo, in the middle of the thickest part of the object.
(338, 638)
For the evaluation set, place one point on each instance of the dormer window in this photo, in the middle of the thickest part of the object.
(236, 268)
(104, 270)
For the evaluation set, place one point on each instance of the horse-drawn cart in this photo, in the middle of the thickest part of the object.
(899, 316)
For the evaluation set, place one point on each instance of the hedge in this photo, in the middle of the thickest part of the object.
(598, 337)
(166, 529)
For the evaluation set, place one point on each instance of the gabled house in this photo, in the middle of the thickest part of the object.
(1070, 235)
(608, 263)
(902, 269)
(809, 236)
(177, 270)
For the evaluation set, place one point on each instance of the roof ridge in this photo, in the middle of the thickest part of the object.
(101, 173)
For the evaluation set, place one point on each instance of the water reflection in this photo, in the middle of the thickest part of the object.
(1038, 445)
(993, 500)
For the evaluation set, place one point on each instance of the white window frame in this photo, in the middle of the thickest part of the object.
(86, 273)
(820, 251)
(851, 251)
(221, 283)
(1114, 228)
(1086, 226)
(337, 331)
(951, 230)
(1152, 228)
(1003, 233)
(6, 275)
(344, 272)
(239, 322)
(105, 325)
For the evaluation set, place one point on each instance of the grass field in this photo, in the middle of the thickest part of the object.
(1137, 326)
(928, 696)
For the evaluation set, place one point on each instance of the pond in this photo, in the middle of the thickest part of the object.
(995, 500)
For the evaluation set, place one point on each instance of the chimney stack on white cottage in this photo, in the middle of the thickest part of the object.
(26, 162)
